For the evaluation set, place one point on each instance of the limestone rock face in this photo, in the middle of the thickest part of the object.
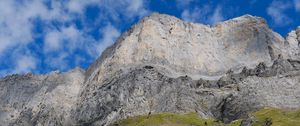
(163, 64)
(191, 49)
(293, 40)
(39, 99)
(145, 90)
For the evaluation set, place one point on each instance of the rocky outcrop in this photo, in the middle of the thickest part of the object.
(145, 90)
(163, 64)
(29, 100)
(190, 49)
(293, 40)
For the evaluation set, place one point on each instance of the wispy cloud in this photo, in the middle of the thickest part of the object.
(68, 37)
(183, 3)
(53, 41)
(25, 64)
(193, 15)
(136, 7)
(206, 14)
(60, 40)
(110, 34)
(277, 12)
(217, 15)
(297, 5)
(58, 61)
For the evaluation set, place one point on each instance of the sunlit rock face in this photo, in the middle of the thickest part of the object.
(191, 49)
(163, 64)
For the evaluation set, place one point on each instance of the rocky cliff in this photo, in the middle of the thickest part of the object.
(163, 64)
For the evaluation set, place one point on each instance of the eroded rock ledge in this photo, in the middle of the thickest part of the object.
(145, 90)
(163, 64)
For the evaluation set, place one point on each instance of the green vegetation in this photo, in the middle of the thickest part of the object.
(169, 119)
(276, 117)
(264, 117)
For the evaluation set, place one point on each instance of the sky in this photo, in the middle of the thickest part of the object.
(40, 36)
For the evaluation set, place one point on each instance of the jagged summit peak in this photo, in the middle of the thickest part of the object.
(247, 17)
(156, 15)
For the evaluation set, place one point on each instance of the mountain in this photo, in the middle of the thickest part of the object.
(163, 64)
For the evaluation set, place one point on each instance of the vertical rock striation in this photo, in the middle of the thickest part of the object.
(163, 64)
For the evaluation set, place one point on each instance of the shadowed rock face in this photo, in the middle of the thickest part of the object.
(39, 99)
(163, 64)
(143, 90)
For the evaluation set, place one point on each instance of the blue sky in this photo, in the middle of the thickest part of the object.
(40, 36)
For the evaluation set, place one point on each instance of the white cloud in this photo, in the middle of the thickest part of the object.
(297, 5)
(217, 16)
(137, 7)
(277, 12)
(196, 14)
(16, 21)
(58, 61)
(130, 8)
(204, 15)
(76, 6)
(191, 16)
(16, 17)
(73, 37)
(53, 41)
(25, 64)
(15, 28)
(60, 46)
(110, 34)
(113, 8)
(69, 37)
(59, 42)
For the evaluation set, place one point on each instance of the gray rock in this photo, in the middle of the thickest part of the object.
(248, 122)
(39, 99)
(163, 64)
(196, 50)
(143, 90)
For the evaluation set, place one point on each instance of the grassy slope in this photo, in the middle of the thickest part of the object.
(278, 117)
(168, 119)
(275, 117)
